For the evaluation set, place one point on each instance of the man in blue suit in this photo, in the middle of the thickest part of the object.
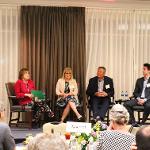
(100, 90)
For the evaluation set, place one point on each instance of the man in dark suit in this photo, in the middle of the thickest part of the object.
(100, 89)
(141, 94)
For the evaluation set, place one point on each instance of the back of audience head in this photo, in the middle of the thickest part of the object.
(143, 138)
(119, 115)
(44, 141)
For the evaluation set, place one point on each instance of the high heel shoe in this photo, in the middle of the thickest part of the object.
(80, 119)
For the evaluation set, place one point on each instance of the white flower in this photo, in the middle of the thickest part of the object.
(83, 142)
(91, 140)
(77, 134)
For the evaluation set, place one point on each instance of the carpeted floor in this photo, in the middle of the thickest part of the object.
(20, 134)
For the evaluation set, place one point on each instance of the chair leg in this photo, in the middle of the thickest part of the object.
(139, 116)
(30, 119)
(10, 119)
(108, 117)
(18, 117)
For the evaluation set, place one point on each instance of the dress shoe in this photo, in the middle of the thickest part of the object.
(135, 124)
(80, 119)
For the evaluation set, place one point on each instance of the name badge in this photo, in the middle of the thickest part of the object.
(107, 86)
(148, 85)
(78, 127)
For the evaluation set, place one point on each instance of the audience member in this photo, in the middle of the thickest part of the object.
(6, 140)
(44, 141)
(117, 136)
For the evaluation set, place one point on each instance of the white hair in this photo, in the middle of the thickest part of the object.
(45, 141)
(119, 114)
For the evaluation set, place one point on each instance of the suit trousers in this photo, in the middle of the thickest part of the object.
(131, 103)
(100, 106)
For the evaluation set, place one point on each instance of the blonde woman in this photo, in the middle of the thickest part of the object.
(67, 90)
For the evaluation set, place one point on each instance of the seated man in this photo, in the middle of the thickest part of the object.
(6, 140)
(141, 94)
(100, 89)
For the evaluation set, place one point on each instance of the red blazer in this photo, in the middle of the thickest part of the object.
(21, 89)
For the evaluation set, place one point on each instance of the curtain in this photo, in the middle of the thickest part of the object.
(9, 33)
(119, 40)
(53, 38)
(141, 40)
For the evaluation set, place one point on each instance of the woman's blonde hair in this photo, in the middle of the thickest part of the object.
(67, 69)
(119, 114)
(45, 141)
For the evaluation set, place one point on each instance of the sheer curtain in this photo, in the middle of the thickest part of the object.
(117, 39)
(9, 32)
(141, 40)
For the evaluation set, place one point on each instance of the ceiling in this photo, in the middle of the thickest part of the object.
(83, 3)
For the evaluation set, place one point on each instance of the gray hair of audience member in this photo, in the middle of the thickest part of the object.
(45, 141)
(119, 114)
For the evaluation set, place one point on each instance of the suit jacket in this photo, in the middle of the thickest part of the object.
(139, 88)
(93, 87)
(21, 89)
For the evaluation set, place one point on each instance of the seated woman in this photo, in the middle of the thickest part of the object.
(116, 137)
(23, 88)
(6, 139)
(67, 90)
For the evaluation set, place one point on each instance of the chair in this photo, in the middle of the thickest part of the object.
(16, 108)
(139, 109)
(106, 119)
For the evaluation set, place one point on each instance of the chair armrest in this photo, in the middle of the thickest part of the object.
(12, 97)
(131, 97)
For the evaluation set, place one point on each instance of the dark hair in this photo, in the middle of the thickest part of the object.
(147, 65)
(22, 72)
(142, 139)
(101, 67)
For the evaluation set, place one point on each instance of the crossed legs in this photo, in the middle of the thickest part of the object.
(70, 105)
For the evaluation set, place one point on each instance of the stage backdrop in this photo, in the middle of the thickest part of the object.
(53, 38)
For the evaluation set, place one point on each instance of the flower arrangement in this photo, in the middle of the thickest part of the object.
(85, 138)
(29, 137)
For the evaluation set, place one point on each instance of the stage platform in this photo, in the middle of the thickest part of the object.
(20, 134)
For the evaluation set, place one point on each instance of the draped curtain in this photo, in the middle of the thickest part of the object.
(119, 40)
(53, 38)
(9, 41)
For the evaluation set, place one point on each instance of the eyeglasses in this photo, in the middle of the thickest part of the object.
(67, 72)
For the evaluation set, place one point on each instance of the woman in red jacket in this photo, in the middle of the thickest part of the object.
(23, 88)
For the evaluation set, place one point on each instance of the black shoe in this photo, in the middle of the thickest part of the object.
(135, 124)
(35, 125)
(80, 119)
(98, 118)
(93, 121)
